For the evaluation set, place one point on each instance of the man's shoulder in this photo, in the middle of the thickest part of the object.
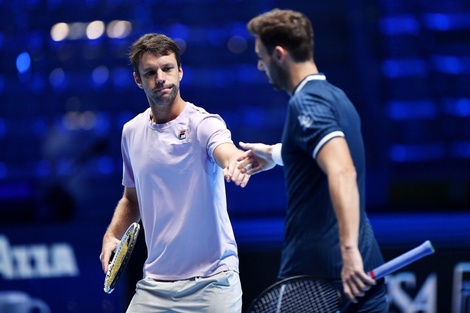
(198, 114)
(194, 109)
(139, 119)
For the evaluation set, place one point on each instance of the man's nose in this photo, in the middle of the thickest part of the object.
(160, 81)
(159, 77)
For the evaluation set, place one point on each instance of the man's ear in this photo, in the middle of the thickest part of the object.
(137, 80)
(279, 54)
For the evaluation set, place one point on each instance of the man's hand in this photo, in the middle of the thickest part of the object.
(109, 245)
(233, 174)
(256, 159)
(355, 281)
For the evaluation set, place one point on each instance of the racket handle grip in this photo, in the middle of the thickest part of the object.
(400, 261)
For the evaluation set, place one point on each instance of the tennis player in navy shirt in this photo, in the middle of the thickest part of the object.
(327, 231)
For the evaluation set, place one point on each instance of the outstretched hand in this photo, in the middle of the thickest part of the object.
(233, 174)
(256, 159)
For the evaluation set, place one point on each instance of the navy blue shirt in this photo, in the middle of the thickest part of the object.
(318, 112)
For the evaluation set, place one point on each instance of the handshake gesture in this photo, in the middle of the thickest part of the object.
(258, 157)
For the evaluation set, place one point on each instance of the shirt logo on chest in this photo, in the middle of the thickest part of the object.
(182, 134)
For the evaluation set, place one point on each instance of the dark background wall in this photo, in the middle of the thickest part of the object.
(404, 64)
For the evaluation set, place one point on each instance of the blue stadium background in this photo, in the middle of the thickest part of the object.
(66, 89)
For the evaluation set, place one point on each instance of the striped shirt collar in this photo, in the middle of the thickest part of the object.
(307, 79)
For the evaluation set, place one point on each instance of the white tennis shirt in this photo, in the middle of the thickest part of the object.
(181, 193)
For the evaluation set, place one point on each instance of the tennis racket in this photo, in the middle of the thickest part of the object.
(309, 295)
(121, 256)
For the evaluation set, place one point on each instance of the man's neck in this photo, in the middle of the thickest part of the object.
(298, 72)
(161, 114)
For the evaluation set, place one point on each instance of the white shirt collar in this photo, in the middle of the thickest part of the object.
(307, 79)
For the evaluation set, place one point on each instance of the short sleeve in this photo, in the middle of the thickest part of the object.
(211, 132)
(315, 123)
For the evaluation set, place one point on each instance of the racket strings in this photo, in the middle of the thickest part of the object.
(299, 296)
(120, 257)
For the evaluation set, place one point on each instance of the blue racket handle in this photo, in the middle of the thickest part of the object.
(397, 263)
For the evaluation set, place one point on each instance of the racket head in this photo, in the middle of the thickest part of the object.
(121, 257)
(298, 294)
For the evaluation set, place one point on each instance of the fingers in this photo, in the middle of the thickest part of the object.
(247, 164)
(250, 146)
(244, 145)
(246, 155)
(228, 173)
(237, 174)
(251, 168)
(109, 245)
(244, 180)
(357, 287)
(104, 258)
